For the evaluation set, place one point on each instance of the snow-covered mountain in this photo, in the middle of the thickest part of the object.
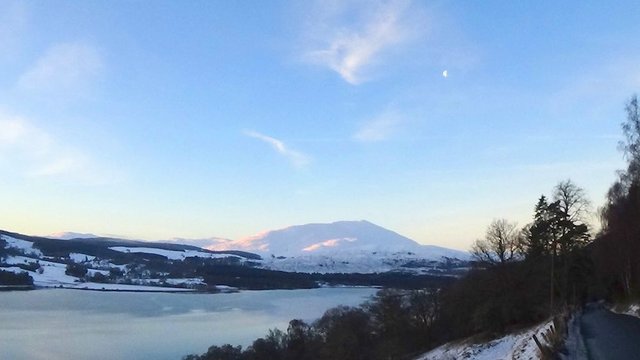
(206, 243)
(68, 235)
(347, 247)
(338, 247)
(337, 238)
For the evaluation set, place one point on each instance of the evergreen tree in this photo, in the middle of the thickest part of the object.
(539, 237)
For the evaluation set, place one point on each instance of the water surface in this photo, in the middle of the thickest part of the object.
(75, 324)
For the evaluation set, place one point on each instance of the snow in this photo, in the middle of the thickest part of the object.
(79, 258)
(206, 243)
(633, 310)
(185, 281)
(364, 262)
(519, 346)
(26, 246)
(53, 275)
(171, 254)
(68, 235)
(630, 309)
(93, 272)
(335, 238)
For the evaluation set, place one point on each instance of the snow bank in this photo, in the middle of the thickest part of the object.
(518, 346)
(630, 309)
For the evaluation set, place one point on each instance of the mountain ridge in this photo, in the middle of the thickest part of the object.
(335, 238)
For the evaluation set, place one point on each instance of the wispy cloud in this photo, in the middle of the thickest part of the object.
(349, 37)
(296, 158)
(29, 151)
(63, 68)
(379, 128)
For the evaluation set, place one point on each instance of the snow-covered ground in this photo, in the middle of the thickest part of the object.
(171, 254)
(346, 262)
(79, 258)
(630, 309)
(52, 275)
(25, 246)
(519, 346)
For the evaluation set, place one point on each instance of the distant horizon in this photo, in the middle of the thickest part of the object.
(191, 241)
(196, 119)
(64, 235)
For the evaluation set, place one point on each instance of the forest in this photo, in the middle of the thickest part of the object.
(553, 265)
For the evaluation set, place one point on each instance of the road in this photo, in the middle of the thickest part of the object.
(610, 336)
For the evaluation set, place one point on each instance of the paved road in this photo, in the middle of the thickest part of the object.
(610, 336)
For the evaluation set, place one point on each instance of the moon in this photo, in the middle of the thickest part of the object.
(445, 74)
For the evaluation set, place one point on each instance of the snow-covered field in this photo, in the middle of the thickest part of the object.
(345, 262)
(53, 275)
(79, 258)
(171, 254)
(26, 246)
(519, 346)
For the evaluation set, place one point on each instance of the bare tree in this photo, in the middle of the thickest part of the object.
(502, 243)
(572, 201)
(570, 212)
(631, 145)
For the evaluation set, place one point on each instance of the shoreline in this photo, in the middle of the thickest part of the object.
(157, 289)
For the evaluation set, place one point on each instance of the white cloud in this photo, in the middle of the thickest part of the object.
(29, 151)
(64, 68)
(378, 128)
(349, 37)
(298, 159)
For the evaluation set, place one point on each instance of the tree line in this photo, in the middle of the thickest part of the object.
(391, 325)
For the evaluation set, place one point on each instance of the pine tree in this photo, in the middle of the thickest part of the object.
(539, 237)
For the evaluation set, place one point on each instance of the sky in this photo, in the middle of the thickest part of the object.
(162, 119)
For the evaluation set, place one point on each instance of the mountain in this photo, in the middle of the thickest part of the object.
(347, 247)
(105, 263)
(343, 247)
(68, 235)
(207, 243)
(336, 238)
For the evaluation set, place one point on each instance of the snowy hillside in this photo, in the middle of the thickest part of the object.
(108, 264)
(518, 346)
(347, 247)
(336, 238)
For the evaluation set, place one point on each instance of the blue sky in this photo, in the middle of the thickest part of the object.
(195, 119)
